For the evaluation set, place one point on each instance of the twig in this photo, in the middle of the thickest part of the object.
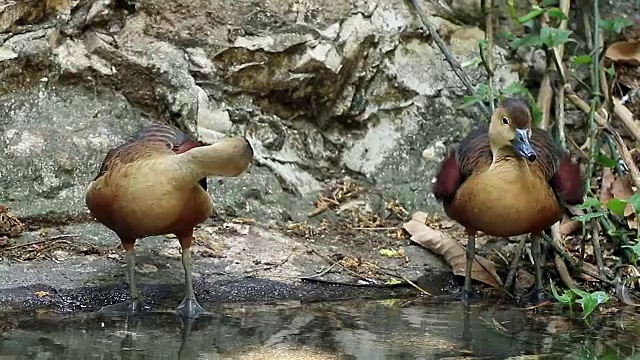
(559, 250)
(625, 154)
(376, 228)
(514, 263)
(559, 259)
(342, 283)
(329, 268)
(330, 261)
(55, 239)
(623, 113)
(597, 249)
(271, 267)
(564, 273)
(571, 261)
(455, 65)
(423, 291)
(487, 59)
(584, 106)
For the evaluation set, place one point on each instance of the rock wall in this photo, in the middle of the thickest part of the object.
(322, 89)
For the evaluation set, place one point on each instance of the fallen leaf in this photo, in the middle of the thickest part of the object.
(41, 294)
(590, 268)
(392, 281)
(625, 52)
(621, 189)
(392, 253)
(569, 226)
(440, 243)
(608, 177)
(524, 279)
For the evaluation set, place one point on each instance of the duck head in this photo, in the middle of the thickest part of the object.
(510, 129)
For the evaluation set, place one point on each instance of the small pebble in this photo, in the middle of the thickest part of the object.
(147, 269)
(60, 255)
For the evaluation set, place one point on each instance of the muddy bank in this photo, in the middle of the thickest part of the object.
(80, 266)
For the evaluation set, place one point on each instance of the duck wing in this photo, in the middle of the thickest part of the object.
(473, 154)
(151, 139)
(555, 165)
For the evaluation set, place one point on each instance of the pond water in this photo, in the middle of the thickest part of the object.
(374, 329)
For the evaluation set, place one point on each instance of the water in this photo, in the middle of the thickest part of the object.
(381, 329)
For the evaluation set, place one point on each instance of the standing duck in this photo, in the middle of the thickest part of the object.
(507, 180)
(155, 184)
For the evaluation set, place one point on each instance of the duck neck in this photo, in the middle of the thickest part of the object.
(229, 157)
(506, 155)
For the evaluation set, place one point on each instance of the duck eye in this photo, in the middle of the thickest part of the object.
(505, 121)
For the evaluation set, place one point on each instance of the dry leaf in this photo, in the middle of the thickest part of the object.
(525, 279)
(608, 177)
(621, 189)
(625, 52)
(440, 243)
(568, 226)
(590, 268)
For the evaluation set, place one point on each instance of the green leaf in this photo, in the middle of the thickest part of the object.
(515, 88)
(611, 71)
(567, 297)
(557, 13)
(536, 114)
(483, 89)
(553, 37)
(471, 100)
(579, 292)
(634, 200)
(605, 160)
(635, 248)
(531, 15)
(388, 252)
(591, 301)
(581, 60)
(509, 36)
(547, 3)
(527, 40)
(617, 206)
(615, 25)
(587, 217)
(590, 202)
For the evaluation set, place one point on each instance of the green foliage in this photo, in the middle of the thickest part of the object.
(581, 60)
(635, 248)
(617, 206)
(615, 25)
(589, 214)
(604, 160)
(553, 37)
(485, 93)
(588, 301)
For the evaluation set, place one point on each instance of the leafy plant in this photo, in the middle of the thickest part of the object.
(615, 25)
(485, 93)
(588, 301)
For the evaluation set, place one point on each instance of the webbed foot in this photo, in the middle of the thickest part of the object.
(190, 309)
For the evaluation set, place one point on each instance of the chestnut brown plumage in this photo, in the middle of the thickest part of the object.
(510, 179)
(155, 184)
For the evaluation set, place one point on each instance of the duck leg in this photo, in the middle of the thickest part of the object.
(471, 253)
(135, 304)
(537, 296)
(189, 307)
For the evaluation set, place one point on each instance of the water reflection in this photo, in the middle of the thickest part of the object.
(388, 329)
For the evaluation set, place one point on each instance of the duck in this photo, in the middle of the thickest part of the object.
(156, 184)
(508, 179)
